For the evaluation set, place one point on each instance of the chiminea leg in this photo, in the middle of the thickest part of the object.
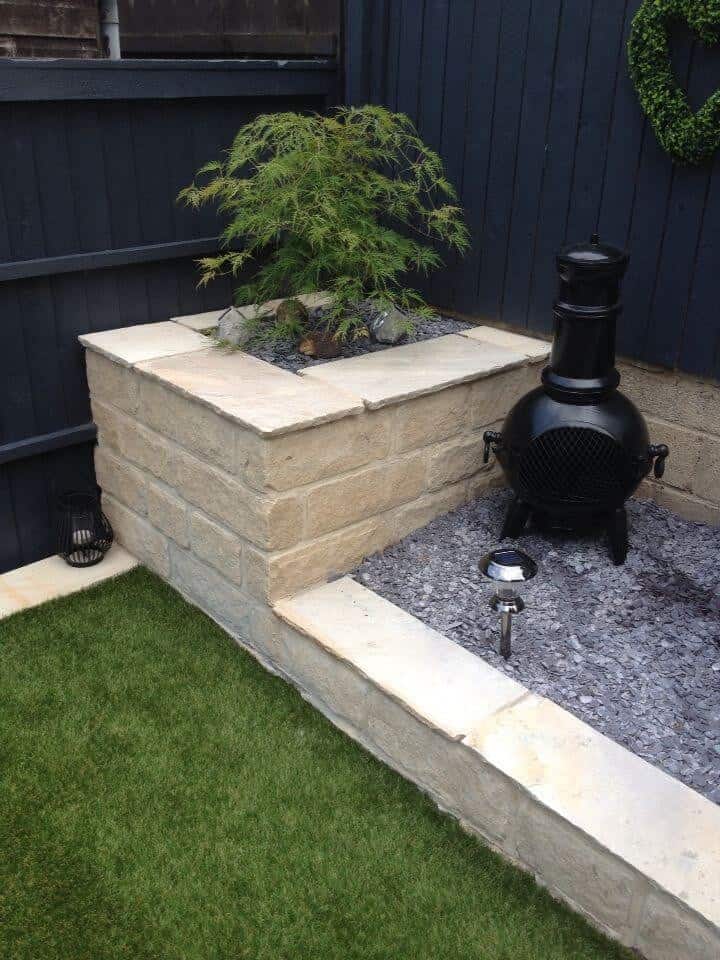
(617, 529)
(515, 519)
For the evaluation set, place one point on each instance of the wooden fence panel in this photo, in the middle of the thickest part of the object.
(531, 106)
(91, 238)
(227, 27)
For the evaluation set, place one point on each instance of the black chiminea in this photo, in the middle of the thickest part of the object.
(575, 448)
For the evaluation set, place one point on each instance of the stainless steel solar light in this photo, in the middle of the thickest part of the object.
(507, 566)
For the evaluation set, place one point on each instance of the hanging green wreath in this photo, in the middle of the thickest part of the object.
(687, 136)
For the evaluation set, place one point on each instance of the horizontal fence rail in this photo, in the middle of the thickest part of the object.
(530, 104)
(91, 238)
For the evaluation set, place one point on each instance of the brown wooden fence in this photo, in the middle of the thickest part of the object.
(171, 28)
(49, 28)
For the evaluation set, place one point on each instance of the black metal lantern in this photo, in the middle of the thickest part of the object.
(575, 448)
(84, 532)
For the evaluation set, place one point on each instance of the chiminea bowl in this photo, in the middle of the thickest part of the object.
(575, 448)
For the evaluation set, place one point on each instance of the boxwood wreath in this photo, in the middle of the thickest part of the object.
(687, 136)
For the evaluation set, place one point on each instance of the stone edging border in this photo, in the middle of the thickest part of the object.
(626, 845)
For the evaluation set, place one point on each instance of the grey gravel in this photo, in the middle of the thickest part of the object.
(634, 651)
(284, 353)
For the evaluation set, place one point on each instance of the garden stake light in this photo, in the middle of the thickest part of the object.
(506, 566)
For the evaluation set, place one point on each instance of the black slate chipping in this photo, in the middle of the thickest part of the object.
(284, 353)
(634, 651)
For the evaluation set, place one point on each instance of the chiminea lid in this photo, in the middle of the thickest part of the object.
(593, 255)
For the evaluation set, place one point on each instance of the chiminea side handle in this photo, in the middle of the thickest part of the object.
(659, 452)
(491, 438)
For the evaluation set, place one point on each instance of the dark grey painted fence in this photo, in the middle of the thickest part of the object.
(530, 104)
(92, 157)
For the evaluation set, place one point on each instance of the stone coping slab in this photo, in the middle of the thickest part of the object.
(630, 847)
(271, 401)
(535, 350)
(255, 394)
(51, 578)
(415, 369)
(440, 682)
(131, 345)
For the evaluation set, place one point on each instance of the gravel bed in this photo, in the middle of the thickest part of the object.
(634, 650)
(284, 353)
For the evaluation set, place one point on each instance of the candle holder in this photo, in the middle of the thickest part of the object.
(84, 534)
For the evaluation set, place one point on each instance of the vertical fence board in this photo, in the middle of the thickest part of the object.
(531, 153)
(478, 144)
(502, 170)
(544, 129)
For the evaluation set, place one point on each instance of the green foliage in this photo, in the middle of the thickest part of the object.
(687, 136)
(348, 203)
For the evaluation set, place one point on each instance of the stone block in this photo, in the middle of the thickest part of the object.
(415, 369)
(336, 687)
(321, 452)
(199, 430)
(168, 513)
(217, 546)
(681, 399)
(682, 464)
(456, 778)
(577, 870)
(269, 522)
(324, 559)
(119, 478)
(446, 686)
(209, 590)
(706, 482)
(127, 346)
(413, 516)
(138, 536)
(431, 419)
(532, 348)
(668, 931)
(684, 504)
(338, 503)
(251, 393)
(491, 399)
(455, 460)
(111, 383)
(608, 811)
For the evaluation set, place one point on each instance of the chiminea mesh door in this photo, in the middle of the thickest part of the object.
(576, 465)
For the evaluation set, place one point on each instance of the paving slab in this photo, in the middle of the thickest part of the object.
(48, 579)
(648, 819)
(530, 347)
(437, 680)
(255, 394)
(147, 341)
(200, 321)
(415, 369)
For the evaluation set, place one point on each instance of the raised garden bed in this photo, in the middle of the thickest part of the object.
(252, 490)
(633, 650)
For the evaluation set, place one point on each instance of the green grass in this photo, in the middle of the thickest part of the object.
(161, 796)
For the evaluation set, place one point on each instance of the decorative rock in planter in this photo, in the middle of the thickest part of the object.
(234, 328)
(389, 326)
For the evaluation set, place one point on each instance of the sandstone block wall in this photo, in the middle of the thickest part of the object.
(236, 520)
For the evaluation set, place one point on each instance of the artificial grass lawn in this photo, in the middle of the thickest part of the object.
(162, 796)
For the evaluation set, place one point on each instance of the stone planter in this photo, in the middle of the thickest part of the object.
(253, 490)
